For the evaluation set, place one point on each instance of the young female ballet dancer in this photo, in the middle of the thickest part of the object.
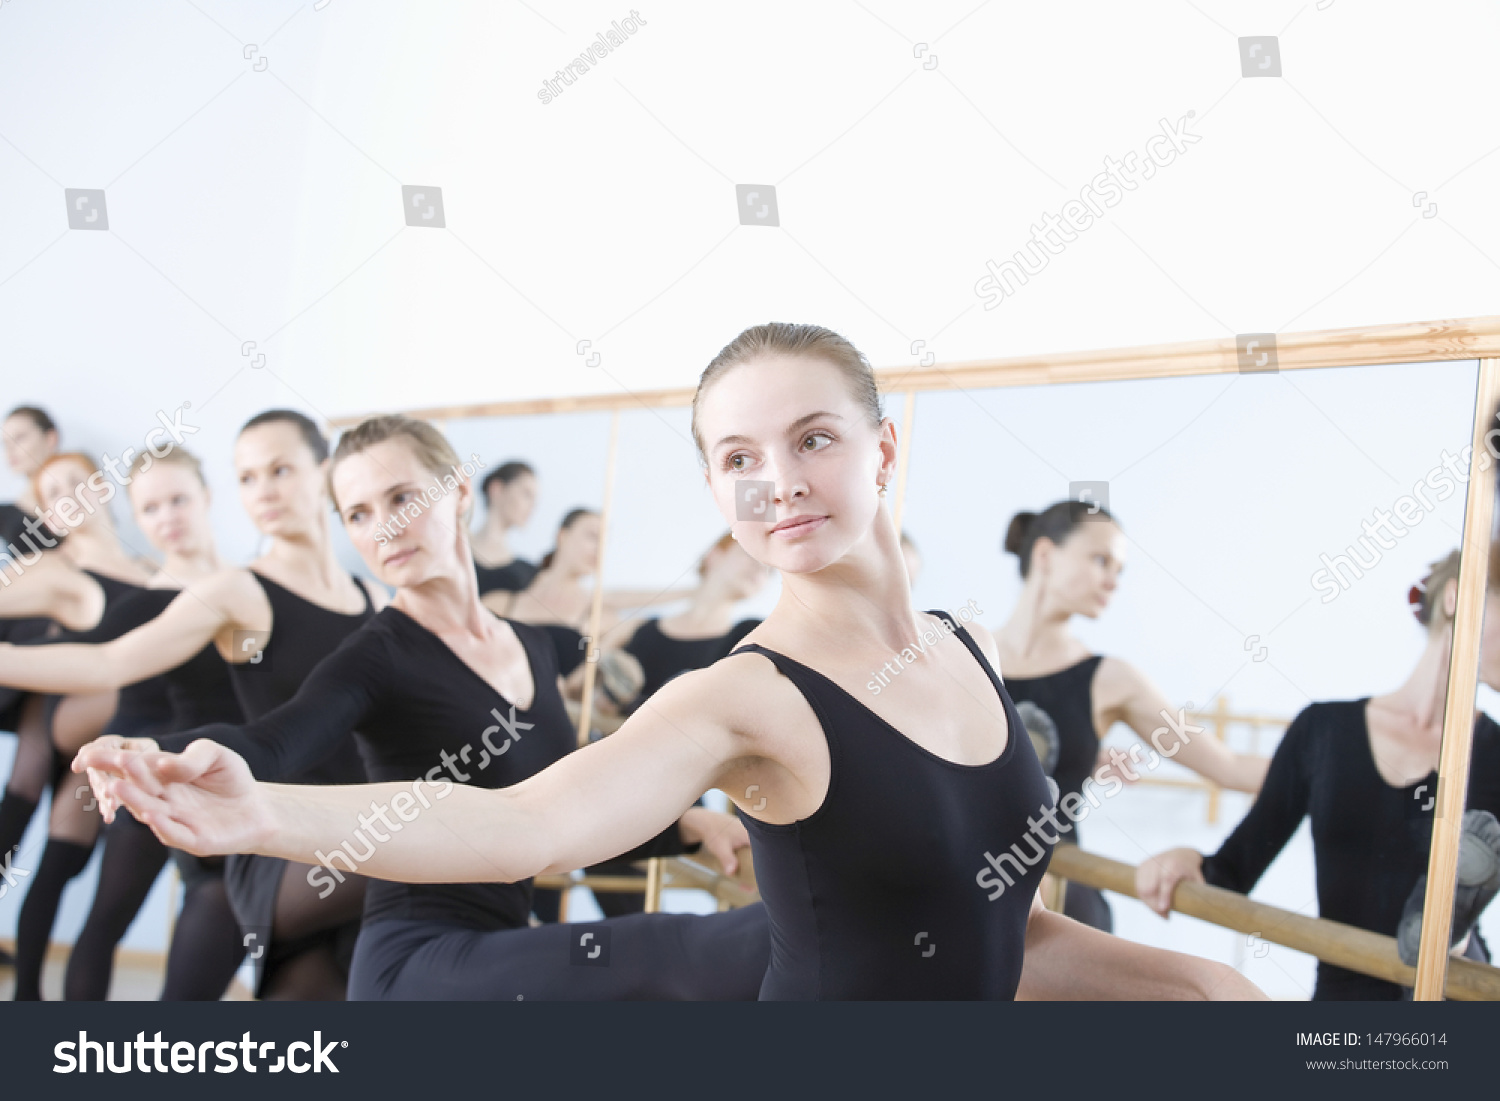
(510, 496)
(873, 831)
(83, 585)
(170, 500)
(439, 688)
(1071, 561)
(272, 622)
(1365, 770)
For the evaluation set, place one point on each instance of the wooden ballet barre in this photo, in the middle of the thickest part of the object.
(1331, 941)
(1365, 345)
(699, 873)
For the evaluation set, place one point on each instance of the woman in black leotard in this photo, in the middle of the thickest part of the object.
(440, 689)
(1071, 559)
(878, 835)
(81, 585)
(272, 623)
(170, 501)
(1365, 772)
(510, 496)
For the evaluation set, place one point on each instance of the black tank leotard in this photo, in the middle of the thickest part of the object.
(1067, 696)
(302, 634)
(1370, 840)
(882, 893)
(420, 711)
(512, 577)
(663, 657)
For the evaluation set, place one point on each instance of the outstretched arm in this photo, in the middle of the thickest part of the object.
(1138, 703)
(593, 804)
(51, 588)
(198, 614)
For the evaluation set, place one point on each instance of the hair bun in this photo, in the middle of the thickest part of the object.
(1015, 534)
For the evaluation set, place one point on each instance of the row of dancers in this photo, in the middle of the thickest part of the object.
(399, 768)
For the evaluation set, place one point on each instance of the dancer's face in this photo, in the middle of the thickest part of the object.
(27, 446)
(63, 489)
(792, 422)
(403, 519)
(280, 480)
(514, 502)
(171, 508)
(578, 546)
(1083, 572)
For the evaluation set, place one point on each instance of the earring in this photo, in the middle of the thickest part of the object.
(733, 536)
(882, 489)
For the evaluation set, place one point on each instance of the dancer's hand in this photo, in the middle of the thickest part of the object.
(1157, 877)
(203, 800)
(721, 835)
(98, 780)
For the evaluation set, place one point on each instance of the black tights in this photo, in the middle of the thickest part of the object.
(132, 859)
(312, 939)
(206, 947)
(29, 774)
(61, 862)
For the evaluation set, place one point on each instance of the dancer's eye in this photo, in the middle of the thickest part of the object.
(811, 436)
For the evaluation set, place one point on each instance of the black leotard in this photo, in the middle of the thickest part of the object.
(420, 711)
(512, 577)
(1370, 840)
(662, 656)
(1067, 696)
(882, 892)
(302, 635)
(567, 644)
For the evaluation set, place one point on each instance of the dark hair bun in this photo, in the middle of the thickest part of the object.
(1015, 534)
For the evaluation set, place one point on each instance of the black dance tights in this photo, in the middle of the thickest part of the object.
(206, 947)
(313, 939)
(61, 861)
(132, 859)
(28, 774)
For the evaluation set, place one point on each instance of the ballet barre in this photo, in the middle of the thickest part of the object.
(1331, 941)
(698, 872)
